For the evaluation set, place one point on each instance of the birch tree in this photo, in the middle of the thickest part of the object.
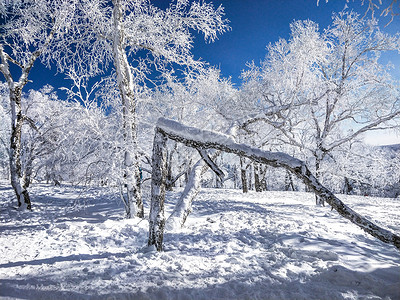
(4, 130)
(144, 41)
(30, 30)
(70, 141)
(320, 91)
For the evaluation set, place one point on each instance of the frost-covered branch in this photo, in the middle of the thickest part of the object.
(375, 5)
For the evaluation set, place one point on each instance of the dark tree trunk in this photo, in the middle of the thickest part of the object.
(348, 187)
(318, 199)
(170, 178)
(257, 181)
(289, 182)
(243, 175)
(27, 176)
(218, 182)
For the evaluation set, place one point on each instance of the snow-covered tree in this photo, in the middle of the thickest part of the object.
(319, 91)
(366, 170)
(143, 41)
(77, 144)
(383, 8)
(196, 99)
(59, 139)
(30, 30)
(96, 142)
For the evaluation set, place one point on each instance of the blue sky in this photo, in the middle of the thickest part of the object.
(255, 23)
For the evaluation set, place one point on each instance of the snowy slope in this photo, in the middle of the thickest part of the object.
(272, 245)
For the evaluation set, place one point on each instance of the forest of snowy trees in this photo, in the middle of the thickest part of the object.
(128, 63)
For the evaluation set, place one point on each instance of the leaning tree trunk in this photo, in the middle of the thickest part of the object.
(183, 206)
(132, 196)
(347, 186)
(201, 139)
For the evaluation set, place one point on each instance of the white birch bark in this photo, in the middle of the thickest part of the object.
(17, 119)
(15, 150)
(132, 196)
(183, 206)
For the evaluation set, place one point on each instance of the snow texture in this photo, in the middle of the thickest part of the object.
(270, 245)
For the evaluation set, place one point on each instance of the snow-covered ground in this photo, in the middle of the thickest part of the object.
(272, 245)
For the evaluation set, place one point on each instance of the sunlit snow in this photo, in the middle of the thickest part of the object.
(270, 245)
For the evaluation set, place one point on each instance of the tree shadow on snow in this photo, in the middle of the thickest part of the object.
(74, 257)
(333, 283)
(50, 207)
(336, 282)
(9, 289)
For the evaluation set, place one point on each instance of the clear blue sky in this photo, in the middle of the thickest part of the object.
(255, 23)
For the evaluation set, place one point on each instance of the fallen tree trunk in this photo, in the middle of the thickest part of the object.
(201, 139)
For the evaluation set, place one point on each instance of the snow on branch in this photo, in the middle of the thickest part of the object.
(202, 139)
